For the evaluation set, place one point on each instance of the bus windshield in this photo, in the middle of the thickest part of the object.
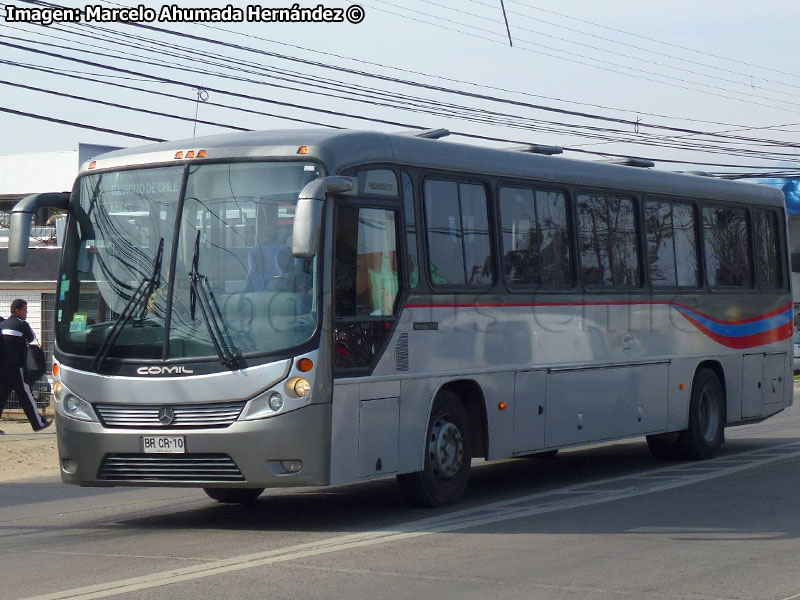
(226, 232)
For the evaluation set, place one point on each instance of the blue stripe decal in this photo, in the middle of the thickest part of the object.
(739, 329)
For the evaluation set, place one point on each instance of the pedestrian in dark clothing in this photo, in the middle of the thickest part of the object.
(17, 334)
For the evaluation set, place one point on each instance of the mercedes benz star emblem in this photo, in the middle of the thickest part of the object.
(166, 415)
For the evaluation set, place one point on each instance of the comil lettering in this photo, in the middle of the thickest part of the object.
(178, 370)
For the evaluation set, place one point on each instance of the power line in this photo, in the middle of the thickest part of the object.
(613, 68)
(707, 148)
(650, 39)
(76, 124)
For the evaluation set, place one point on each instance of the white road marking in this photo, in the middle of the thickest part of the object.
(579, 495)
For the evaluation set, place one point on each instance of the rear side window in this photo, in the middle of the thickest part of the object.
(607, 241)
(726, 241)
(671, 244)
(768, 263)
(535, 237)
(458, 234)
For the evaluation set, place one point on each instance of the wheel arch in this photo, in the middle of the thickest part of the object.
(471, 395)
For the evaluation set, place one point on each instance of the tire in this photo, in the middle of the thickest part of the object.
(706, 430)
(234, 495)
(662, 448)
(448, 454)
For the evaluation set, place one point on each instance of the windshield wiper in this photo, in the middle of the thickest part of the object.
(201, 293)
(144, 290)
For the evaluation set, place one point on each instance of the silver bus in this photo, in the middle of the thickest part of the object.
(307, 308)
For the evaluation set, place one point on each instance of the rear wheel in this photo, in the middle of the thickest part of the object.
(448, 454)
(234, 495)
(705, 434)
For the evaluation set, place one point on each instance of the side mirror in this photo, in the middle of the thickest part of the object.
(21, 217)
(309, 210)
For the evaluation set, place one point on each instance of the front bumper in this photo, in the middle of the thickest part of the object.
(256, 447)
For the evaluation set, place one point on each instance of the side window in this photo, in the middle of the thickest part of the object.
(671, 244)
(768, 263)
(366, 262)
(458, 233)
(607, 241)
(411, 231)
(535, 237)
(727, 247)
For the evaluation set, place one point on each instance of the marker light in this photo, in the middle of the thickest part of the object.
(502, 406)
(302, 150)
(305, 365)
(179, 154)
(93, 164)
(201, 154)
(190, 154)
(682, 386)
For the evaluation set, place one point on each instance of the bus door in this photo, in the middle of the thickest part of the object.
(366, 286)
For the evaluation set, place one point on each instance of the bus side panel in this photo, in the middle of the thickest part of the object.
(732, 367)
(344, 424)
(681, 372)
(594, 404)
(365, 430)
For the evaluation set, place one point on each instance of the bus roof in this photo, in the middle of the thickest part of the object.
(339, 149)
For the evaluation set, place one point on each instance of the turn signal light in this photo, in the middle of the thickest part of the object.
(305, 365)
(56, 369)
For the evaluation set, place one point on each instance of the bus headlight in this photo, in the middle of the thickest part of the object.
(299, 386)
(71, 406)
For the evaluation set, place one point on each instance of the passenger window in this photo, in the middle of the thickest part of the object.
(671, 244)
(607, 241)
(366, 262)
(411, 231)
(458, 234)
(535, 237)
(768, 260)
(727, 247)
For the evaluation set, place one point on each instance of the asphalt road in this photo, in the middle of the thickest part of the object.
(607, 522)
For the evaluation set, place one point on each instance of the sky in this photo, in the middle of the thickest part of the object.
(707, 84)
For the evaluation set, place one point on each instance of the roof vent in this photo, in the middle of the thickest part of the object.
(630, 161)
(432, 134)
(538, 149)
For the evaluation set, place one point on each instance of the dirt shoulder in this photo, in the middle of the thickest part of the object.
(24, 453)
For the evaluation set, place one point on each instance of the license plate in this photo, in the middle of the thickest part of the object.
(163, 444)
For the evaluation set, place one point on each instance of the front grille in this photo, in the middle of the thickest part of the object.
(188, 467)
(220, 414)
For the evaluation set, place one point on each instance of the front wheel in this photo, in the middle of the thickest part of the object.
(234, 495)
(705, 434)
(448, 454)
